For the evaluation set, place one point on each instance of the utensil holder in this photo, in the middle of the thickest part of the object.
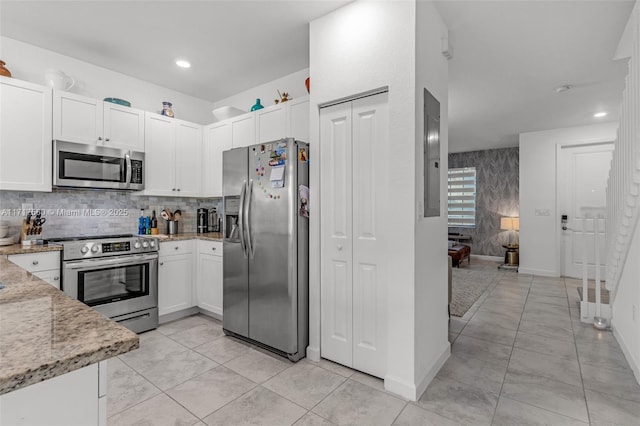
(172, 227)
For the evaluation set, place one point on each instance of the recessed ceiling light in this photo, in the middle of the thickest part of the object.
(183, 64)
(600, 114)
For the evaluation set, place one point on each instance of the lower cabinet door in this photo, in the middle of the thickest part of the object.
(210, 283)
(174, 283)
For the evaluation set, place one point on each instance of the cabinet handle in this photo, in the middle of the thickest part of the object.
(173, 189)
(339, 247)
(213, 248)
(35, 262)
(178, 189)
(161, 263)
(107, 140)
(56, 278)
(99, 138)
(176, 248)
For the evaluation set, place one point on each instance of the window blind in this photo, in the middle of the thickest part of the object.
(462, 197)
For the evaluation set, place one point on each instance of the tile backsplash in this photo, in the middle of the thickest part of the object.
(74, 212)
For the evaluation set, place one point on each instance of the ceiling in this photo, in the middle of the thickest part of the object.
(508, 56)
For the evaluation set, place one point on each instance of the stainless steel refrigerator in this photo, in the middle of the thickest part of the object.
(266, 245)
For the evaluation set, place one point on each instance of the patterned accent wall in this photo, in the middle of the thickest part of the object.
(497, 195)
(75, 212)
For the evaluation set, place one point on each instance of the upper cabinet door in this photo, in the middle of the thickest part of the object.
(123, 127)
(160, 160)
(298, 119)
(25, 136)
(243, 130)
(77, 118)
(271, 123)
(217, 140)
(188, 155)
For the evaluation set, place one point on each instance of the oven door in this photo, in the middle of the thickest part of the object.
(114, 286)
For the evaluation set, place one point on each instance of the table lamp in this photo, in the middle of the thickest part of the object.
(510, 224)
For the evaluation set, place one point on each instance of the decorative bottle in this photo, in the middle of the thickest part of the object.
(257, 106)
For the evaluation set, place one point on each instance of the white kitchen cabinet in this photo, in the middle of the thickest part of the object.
(353, 150)
(45, 266)
(243, 130)
(175, 277)
(285, 120)
(217, 139)
(25, 136)
(71, 399)
(173, 161)
(298, 119)
(209, 276)
(91, 121)
(271, 123)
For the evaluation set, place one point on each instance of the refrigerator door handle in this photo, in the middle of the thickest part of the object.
(241, 218)
(247, 214)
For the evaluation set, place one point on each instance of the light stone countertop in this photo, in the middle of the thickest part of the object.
(35, 248)
(44, 333)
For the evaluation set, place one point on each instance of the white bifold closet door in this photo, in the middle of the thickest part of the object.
(353, 182)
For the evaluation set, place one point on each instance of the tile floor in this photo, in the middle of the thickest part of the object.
(519, 356)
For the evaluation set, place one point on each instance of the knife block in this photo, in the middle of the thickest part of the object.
(30, 234)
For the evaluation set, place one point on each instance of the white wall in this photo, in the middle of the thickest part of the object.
(28, 62)
(358, 48)
(293, 84)
(540, 235)
(626, 307)
(431, 285)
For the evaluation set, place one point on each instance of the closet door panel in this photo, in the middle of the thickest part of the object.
(336, 235)
(370, 146)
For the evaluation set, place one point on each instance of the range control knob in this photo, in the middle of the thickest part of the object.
(84, 249)
(95, 248)
(136, 245)
(145, 244)
(152, 243)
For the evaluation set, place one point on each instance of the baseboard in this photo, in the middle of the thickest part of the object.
(313, 353)
(412, 391)
(627, 354)
(177, 315)
(210, 314)
(426, 380)
(486, 257)
(539, 272)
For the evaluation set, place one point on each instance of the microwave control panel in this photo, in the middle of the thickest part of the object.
(136, 171)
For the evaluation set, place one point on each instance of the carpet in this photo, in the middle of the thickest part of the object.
(468, 286)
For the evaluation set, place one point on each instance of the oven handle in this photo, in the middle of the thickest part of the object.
(127, 159)
(119, 261)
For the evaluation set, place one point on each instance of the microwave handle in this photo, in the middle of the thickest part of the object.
(127, 159)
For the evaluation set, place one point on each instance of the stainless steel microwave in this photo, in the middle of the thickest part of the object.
(92, 166)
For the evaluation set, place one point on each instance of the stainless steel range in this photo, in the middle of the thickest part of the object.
(117, 275)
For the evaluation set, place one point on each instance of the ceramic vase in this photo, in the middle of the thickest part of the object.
(307, 84)
(257, 106)
(3, 71)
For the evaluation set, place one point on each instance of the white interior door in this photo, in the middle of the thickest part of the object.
(336, 292)
(370, 139)
(354, 137)
(583, 172)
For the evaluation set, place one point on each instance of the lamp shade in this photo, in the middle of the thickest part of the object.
(510, 223)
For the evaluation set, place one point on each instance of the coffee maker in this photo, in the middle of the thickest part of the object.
(215, 220)
(203, 221)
